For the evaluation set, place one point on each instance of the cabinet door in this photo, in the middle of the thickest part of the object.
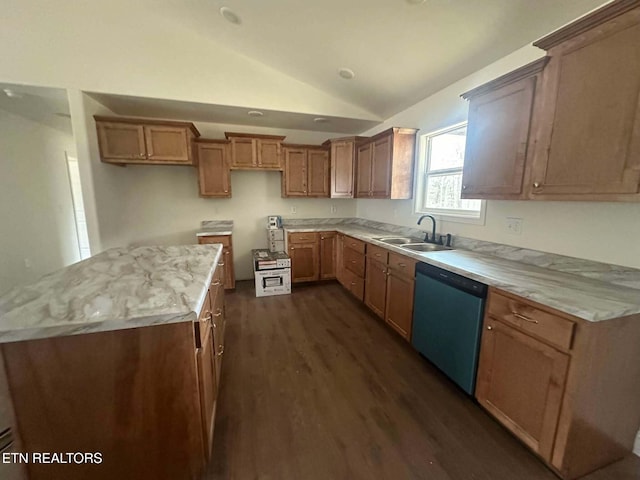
(399, 308)
(213, 170)
(121, 141)
(318, 173)
(167, 144)
(375, 287)
(295, 172)
(269, 154)
(381, 156)
(521, 383)
(589, 125)
(342, 169)
(243, 153)
(328, 255)
(305, 262)
(497, 141)
(229, 271)
(340, 259)
(205, 358)
(363, 172)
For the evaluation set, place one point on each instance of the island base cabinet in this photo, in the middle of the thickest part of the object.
(521, 382)
(130, 395)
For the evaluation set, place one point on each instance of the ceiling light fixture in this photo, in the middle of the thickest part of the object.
(255, 113)
(346, 73)
(230, 16)
(320, 120)
(12, 93)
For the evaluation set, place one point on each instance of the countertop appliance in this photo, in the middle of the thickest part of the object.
(447, 322)
(274, 221)
(272, 272)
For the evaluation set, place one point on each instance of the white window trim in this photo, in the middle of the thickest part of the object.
(443, 214)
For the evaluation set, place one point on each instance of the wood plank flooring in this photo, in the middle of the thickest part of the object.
(315, 387)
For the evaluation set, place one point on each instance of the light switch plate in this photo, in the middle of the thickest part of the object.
(293, 210)
(514, 225)
(334, 209)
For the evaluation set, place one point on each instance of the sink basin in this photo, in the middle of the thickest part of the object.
(424, 247)
(396, 240)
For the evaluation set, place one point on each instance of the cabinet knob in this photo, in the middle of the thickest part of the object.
(464, 187)
(142, 155)
(536, 184)
(226, 191)
(489, 327)
(150, 155)
(291, 248)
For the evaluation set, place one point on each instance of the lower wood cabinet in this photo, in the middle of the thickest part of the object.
(564, 386)
(328, 250)
(227, 257)
(375, 288)
(208, 385)
(304, 251)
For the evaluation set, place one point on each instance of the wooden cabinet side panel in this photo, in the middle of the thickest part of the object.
(403, 165)
(205, 357)
(131, 394)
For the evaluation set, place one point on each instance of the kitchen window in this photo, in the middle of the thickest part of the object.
(439, 182)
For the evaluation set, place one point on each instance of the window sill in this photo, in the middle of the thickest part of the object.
(449, 216)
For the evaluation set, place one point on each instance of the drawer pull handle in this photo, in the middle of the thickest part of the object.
(208, 317)
(523, 317)
(353, 261)
(378, 255)
(353, 283)
(402, 265)
(216, 282)
(221, 264)
(218, 313)
(220, 350)
(353, 244)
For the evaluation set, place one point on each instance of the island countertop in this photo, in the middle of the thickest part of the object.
(116, 289)
(585, 298)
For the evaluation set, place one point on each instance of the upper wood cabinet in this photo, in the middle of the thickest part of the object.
(588, 129)
(385, 165)
(343, 165)
(255, 152)
(141, 141)
(498, 140)
(306, 171)
(213, 168)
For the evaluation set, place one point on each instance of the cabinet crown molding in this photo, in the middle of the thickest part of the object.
(147, 121)
(583, 24)
(525, 71)
(253, 135)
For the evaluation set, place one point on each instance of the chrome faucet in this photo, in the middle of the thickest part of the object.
(433, 232)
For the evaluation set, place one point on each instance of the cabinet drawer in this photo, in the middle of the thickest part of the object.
(223, 239)
(303, 237)
(354, 261)
(354, 284)
(354, 244)
(402, 264)
(546, 326)
(378, 254)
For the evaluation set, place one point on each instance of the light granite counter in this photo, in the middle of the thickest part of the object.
(215, 227)
(117, 289)
(586, 298)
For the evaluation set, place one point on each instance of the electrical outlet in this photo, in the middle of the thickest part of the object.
(514, 225)
(293, 210)
(334, 209)
(27, 263)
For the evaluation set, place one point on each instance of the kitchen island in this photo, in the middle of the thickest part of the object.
(118, 355)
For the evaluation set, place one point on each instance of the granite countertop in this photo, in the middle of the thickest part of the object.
(588, 299)
(116, 289)
(215, 227)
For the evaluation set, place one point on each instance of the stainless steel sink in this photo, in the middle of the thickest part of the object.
(424, 247)
(396, 240)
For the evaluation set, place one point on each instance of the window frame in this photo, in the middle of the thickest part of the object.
(421, 180)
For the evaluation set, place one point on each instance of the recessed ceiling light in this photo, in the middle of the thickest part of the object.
(255, 113)
(12, 93)
(346, 73)
(320, 120)
(230, 16)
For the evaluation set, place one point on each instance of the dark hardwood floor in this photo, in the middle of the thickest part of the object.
(314, 386)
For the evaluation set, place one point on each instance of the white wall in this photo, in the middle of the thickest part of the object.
(36, 209)
(606, 232)
(160, 205)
